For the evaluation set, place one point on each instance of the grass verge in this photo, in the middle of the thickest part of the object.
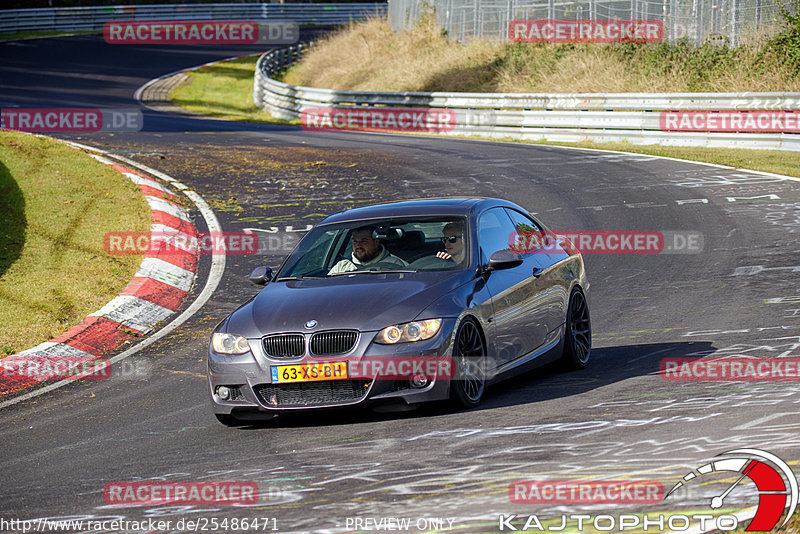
(34, 35)
(56, 204)
(223, 90)
(775, 161)
(369, 56)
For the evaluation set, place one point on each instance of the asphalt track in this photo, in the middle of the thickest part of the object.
(618, 418)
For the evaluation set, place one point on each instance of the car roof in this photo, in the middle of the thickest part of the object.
(451, 206)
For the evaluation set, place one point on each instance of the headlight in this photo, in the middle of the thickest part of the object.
(413, 331)
(224, 343)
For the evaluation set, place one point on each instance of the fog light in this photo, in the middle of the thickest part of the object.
(224, 392)
(419, 381)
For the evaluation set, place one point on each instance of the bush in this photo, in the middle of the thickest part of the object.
(785, 46)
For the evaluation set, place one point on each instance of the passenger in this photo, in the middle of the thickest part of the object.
(453, 242)
(367, 251)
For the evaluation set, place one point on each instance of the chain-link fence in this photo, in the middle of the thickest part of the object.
(730, 21)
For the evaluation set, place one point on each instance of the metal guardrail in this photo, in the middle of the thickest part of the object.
(92, 18)
(599, 117)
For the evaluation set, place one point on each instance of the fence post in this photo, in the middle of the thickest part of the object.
(478, 31)
(448, 19)
(509, 18)
(698, 38)
(758, 15)
(673, 16)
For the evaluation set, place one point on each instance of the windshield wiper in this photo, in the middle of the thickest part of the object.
(301, 277)
(374, 271)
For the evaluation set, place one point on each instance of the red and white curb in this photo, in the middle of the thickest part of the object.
(162, 281)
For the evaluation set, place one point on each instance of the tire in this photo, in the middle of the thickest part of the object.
(577, 332)
(469, 356)
(228, 420)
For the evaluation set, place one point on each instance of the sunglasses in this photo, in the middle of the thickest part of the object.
(451, 239)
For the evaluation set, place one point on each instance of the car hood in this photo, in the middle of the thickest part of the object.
(366, 302)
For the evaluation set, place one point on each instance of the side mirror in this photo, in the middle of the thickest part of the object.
(504, 259)
(261, 276)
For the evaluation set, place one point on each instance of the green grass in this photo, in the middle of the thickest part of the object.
(29, 35)
(775, 161)
(223, 90)
(56, 204)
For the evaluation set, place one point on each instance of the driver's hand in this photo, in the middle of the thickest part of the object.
(443, 255)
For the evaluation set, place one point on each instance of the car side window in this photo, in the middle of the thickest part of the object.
(494, 231)
(526, 230)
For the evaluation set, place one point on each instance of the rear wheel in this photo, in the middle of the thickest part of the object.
(469, 355)
(578, 332)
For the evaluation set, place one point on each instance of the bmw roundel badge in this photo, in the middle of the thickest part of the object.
(311, 324)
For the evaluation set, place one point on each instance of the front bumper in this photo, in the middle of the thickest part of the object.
(249, 378)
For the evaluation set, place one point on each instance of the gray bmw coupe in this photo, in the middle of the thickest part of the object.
(399, 304)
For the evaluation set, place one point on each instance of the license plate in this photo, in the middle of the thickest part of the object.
(309, 372)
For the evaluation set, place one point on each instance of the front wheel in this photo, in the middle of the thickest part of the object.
(469, 355)
(577, 332)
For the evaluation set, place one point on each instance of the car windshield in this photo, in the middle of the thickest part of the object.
(380, 245)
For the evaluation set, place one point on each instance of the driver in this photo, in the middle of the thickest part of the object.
(453, 240)
(367, 252)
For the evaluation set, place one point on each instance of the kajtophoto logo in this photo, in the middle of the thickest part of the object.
(773, 494)
(775, 483)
